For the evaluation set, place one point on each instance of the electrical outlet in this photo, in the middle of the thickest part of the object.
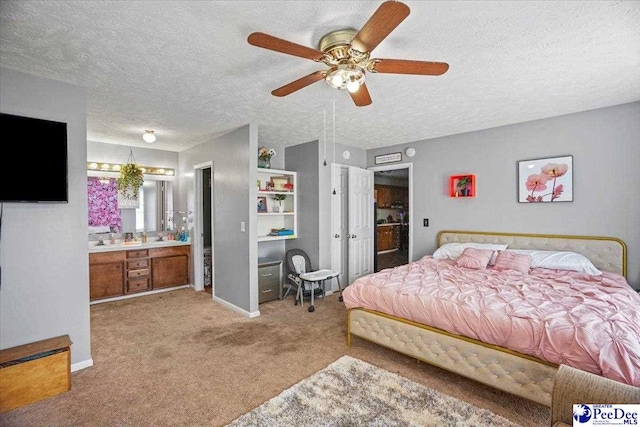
(425, 222)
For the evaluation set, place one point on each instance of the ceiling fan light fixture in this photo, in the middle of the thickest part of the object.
(345, 76)
(149, 136)
(353, 85)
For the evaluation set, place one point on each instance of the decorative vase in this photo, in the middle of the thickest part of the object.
(264, 163)
(280, 207)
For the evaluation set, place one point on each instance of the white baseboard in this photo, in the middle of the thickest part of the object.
(235, 308)
(81, 365)
(141, 294)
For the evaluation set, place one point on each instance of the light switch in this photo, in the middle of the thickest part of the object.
(242, 226)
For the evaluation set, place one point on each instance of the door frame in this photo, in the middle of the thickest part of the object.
(198, 243)
(411, 218)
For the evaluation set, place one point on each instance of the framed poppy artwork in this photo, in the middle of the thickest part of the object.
(545, 180)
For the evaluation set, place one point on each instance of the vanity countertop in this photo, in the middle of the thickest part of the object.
(133, 246)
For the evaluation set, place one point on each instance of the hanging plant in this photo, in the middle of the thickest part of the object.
(131, 179)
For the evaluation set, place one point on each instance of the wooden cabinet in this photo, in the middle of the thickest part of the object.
(388, 196)
(35, 371)
(388, 237)
(118, 273)
(106, 274)
(169, 266)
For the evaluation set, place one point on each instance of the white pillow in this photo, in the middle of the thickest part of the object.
(560, 260)
(453, 250)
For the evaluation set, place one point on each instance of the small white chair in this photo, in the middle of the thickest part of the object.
(319, 276)
(301, 274)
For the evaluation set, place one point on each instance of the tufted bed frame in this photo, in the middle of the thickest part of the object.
(496, 366)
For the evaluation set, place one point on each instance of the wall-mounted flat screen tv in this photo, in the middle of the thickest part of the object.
(36, 170)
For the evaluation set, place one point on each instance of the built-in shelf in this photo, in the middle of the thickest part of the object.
(272, 238)
(275, 213)
(269, 193)
(462, 185)
(279, 182)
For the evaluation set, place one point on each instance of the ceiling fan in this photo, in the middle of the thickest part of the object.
(347, 52)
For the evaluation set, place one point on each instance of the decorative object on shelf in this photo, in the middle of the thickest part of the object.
(149, 136)
(279, 198)
(462, 185)
(545, 180)
(279, 182)
(262, 204)
(388, 158)
(129, 183)
(410, 152)
(264, 157)
(288, 187)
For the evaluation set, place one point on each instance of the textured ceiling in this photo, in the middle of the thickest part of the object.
(185, 69)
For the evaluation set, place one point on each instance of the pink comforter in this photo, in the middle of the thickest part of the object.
(591, 323)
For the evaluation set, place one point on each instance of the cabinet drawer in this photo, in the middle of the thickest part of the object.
(138, 263)
(268, 292)
(139, 284)
(171, 251)
(269, 275)
(138, 254)
(143, 272)
(105, 257)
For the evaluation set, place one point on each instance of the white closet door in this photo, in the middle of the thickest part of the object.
(340, 224)
(361, 223)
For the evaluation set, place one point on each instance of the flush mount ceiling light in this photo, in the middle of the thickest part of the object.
(149, 136)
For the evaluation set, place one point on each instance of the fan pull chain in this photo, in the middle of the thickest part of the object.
(334, 136)
(324, 135)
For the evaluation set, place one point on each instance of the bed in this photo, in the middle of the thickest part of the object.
(504, 363)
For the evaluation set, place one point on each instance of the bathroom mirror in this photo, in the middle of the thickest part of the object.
(152, 214)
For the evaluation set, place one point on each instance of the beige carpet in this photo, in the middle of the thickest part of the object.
(180, 359)
(376, 397)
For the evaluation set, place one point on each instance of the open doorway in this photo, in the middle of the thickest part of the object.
(203, 260)
(207, 243)
(392, 195)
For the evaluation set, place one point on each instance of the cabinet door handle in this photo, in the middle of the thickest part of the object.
(267, 291)
(267, 275)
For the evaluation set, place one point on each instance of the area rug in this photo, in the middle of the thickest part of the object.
(350, 392)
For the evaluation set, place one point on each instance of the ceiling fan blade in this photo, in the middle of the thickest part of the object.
(404, 66)
(361, 97)
(388, 16)
(279, 45)
(299, 84)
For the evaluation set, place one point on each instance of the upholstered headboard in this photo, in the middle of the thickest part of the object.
(606, 253)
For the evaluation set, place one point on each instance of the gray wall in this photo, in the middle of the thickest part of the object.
(605, 145)
(43, 251)
(304, 160)
(234, 176)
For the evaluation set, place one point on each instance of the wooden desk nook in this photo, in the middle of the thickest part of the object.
(35, 371)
